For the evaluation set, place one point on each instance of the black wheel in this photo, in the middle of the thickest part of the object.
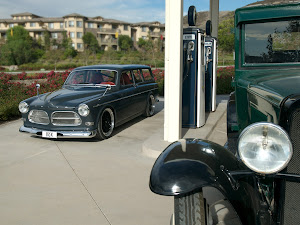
(150, 108)
(208, 28)
(192, 16)
(189, 209)
(106, 124)
(194, 209)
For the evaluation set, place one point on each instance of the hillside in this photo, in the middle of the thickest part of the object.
(203, 16)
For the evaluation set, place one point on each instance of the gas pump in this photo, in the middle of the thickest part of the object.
(210, 69)
(193, 90)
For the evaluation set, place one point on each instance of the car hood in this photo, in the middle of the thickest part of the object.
(69, 97)
(276, 88)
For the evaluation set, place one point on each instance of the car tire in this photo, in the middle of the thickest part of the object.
(150, 108)
(106, 124)
(192, 209)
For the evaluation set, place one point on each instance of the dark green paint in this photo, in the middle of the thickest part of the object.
(262, 88)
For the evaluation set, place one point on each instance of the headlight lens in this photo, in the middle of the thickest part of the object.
(23, 107)
(83, 110)
(265, 148)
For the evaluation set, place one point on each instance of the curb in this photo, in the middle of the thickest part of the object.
(155, 144)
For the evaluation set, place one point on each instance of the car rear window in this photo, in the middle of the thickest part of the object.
(147, 75)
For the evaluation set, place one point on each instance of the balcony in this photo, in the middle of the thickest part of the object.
(108, 41)
(156, 34)
(107, 30)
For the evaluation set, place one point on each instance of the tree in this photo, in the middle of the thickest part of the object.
(125, 42)
(225, 35)
(90, 42)
(19, 47)
(66, 46)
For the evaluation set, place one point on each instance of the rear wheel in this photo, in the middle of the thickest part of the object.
(150, 106)
(106, 124)
(193, 209)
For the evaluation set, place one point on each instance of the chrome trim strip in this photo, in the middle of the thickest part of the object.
(124, 97)
(60, 134)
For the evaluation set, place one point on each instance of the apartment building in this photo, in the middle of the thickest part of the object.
(76, 25)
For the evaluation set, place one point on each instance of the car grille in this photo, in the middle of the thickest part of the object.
(292, 197)
(39, 117)
(65, 119)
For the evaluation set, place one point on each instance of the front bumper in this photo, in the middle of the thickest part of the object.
(60, 134)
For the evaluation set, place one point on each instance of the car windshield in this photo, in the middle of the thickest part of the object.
(92, 78)
(272, 42)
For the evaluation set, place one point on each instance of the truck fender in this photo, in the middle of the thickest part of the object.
(186, 166)
(190, 164)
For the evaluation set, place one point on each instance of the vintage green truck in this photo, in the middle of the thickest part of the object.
(255, 180)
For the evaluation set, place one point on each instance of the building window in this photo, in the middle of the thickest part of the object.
(11, 25)
(125, 27)
(66, 24)
(61, 25)
(73, 45)
(72, 35)
(32, 24)
(143, 29)
(54, 35)
(79, 45)
(144, 37)
(79, 34)
(79, 23)
(51, 25)
(90, 25)
(71, 23)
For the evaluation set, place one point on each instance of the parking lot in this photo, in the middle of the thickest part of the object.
(80, 181)
(72, 181)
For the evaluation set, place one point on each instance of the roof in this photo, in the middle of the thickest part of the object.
(113, 67)
(74, 15)
(24, 14)
(264, 12)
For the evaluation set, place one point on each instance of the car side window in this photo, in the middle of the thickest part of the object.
(147, 75)
(126, 78)
(137, 76)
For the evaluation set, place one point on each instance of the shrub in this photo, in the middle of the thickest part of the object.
(224, 78)
(13, 93)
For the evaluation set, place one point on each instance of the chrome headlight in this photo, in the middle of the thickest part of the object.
(265, 148)
(83, 110)
(23, 107)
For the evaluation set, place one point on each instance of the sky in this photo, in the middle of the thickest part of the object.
(132, 11)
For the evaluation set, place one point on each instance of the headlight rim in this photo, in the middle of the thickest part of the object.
(282, 131)
(83, 105)
(23, 105)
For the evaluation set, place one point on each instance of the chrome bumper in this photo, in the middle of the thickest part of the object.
(60, 134)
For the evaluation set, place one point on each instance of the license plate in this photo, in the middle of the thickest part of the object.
(49, 134)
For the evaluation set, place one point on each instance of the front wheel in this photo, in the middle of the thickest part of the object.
(194, 209)
(189, 209)
(106, 124)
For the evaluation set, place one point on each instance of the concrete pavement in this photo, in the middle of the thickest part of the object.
(213, 130)
(86, 181)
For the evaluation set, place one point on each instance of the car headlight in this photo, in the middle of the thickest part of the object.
(265, 148)
(23, 107)
(83, 110)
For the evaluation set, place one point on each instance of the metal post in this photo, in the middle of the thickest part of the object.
(214, 17)
(173, 71)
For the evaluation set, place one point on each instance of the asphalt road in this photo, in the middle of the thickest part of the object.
(80, 181)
